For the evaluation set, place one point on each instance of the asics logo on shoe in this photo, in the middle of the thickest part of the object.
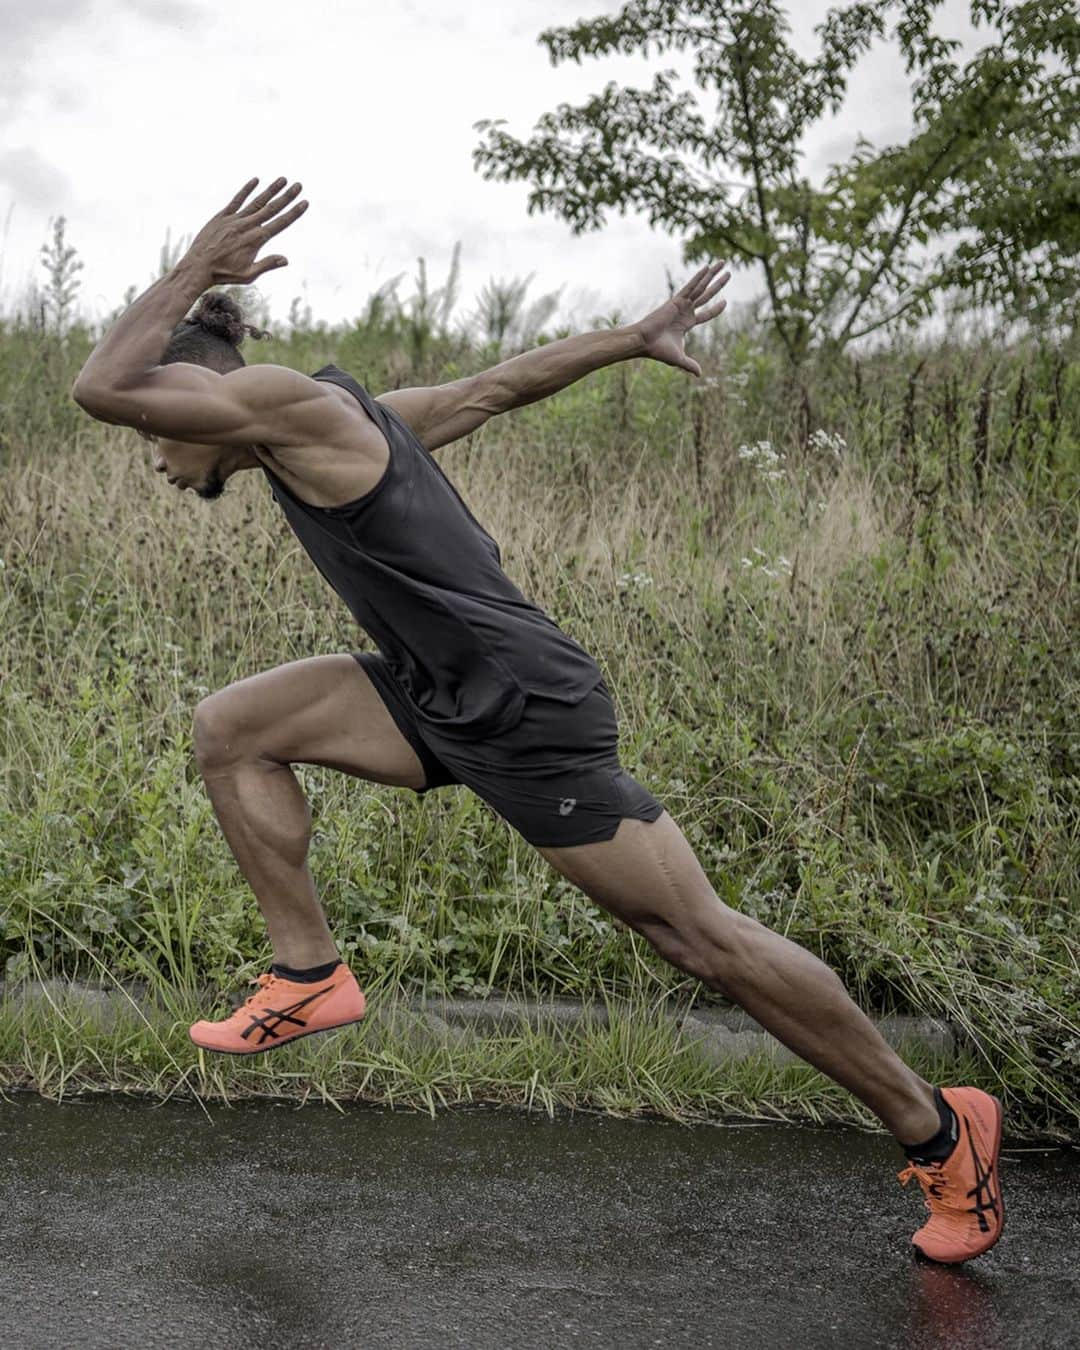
(983, 1191)
(567, 805)
(269, 1023)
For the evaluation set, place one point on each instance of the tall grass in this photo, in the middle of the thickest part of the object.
(839, 616)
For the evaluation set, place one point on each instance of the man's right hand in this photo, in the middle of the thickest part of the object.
(225, 248)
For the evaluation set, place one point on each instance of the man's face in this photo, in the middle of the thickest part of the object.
(197, 467)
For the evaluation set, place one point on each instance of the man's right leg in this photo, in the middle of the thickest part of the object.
(326, 711)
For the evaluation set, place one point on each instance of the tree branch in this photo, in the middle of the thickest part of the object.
(759, 197)
(890, 249)
(732, 243)
(888, 318)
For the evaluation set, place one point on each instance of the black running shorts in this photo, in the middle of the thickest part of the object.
(555, 777)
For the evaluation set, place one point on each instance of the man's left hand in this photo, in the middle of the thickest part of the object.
(665, 329)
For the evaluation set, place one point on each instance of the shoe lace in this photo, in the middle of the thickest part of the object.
(934, 1181)
(263, 981)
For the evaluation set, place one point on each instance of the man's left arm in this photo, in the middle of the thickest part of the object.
(446, 412)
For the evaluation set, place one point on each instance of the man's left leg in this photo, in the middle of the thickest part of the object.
(648, 877)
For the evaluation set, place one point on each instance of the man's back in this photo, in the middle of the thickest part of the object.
(424, 579)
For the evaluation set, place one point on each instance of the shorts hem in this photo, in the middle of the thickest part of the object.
(599, 834)
(436, 774)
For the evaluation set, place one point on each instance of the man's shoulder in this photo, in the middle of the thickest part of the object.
(269, 378)
(279, 388)
(305, 412)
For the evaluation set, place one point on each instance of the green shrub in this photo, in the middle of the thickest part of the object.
(847, 664)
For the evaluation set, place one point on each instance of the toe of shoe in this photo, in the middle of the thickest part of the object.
(951, 1251)
(929, 1250)
(207, 1036)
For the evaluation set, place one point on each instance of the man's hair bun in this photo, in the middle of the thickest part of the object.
(219, 314)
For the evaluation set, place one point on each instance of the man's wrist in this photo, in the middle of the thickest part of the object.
(194, 272)
(637, 346)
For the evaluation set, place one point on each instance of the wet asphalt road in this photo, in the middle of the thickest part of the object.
(128, 1225)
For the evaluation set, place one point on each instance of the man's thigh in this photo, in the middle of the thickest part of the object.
(647, 875)
(322, 710)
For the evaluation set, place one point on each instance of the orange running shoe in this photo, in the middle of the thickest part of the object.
(282, 1010)
(962, 1192)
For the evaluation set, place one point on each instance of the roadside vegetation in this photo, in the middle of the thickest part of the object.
(835, 588)
(838, 608)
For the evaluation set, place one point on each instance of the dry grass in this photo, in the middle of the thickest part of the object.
(872, 745)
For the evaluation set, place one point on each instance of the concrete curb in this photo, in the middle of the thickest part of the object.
(722, 1034)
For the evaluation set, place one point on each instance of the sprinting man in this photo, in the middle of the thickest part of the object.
(472, 683)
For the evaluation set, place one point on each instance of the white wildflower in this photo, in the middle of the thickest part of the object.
(639, 580)
(764, 458)
(829, 441)
(780, 567)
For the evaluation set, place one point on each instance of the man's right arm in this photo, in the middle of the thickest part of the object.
(123, 381)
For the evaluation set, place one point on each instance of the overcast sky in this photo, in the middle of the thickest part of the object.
(134, 117)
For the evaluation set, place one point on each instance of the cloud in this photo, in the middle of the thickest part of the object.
(20, 21)
(25, 28)
(28, 25)
(170, 13)
(32, 180)
(431, 20)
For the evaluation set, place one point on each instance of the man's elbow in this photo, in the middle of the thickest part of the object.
(494, 394)
(84, 393)
(92, 397)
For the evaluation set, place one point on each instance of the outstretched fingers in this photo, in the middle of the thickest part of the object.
(276, 203)
(257, 203)
(699, 281)
(265, 210)
(692, 286)
(283, 222)
(715, 289)
(238, 201)
(266, 205)
(710, 313)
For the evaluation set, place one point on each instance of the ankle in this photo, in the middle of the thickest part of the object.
(304, 953)
(310, 971)
(917, 1119)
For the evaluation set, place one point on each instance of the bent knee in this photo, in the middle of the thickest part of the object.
(223, 729)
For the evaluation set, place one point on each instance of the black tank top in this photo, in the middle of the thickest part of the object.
(426, 582)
